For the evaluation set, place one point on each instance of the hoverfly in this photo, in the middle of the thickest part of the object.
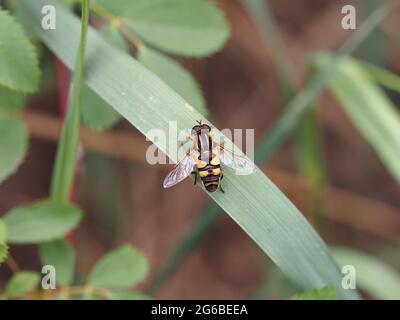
(203, 159)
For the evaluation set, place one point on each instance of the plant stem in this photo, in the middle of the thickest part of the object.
(64, 170)
(12, 264)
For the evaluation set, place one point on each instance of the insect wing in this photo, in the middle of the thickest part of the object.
(181, 171)
(239, 163)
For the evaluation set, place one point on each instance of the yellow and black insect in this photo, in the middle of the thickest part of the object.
(203, 159)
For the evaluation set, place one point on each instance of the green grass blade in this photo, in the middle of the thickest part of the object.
(302, 102)
(308, 151)
(3, 243)
(268, 144)
(260, 11)
(372, 275)
(369, 108)
(252, 201)
(384, 77)
(64, 170)
(376, 49)
(96, 113)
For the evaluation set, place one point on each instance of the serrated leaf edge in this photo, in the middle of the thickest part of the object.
(33, 52)
(6, 252)
(21, 160)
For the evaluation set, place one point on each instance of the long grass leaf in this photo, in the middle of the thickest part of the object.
(281, 63)
(308, 151)
(369, 108)
(384, 77)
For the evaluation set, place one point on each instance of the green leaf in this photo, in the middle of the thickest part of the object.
(61, 256)
(309, 150)
(3, 245)
(40, 222)
(21, 284)
(369, 108)
(67, 151)
(384, 77)
(261, 13)
(123, 267)
(372, 275)
(307, 138)
(3, 252)
(174, 75)
(126, 295)
(11, 100)
(96, 113)
(326, 293)
(13, 144)
(19, 62)
(183, 27)
(253, 201)
(3, 231)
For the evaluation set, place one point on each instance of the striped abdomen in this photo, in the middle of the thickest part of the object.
(211, 176)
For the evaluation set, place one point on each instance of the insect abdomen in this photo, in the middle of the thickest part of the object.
(211, 177)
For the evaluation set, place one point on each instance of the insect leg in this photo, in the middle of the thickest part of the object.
(220, 181)
(195, 177)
